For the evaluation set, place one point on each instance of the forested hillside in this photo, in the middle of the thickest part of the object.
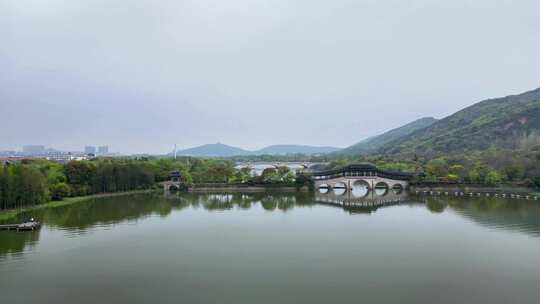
(510, 122)
(372, 144)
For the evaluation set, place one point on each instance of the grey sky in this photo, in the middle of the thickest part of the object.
(141, 75)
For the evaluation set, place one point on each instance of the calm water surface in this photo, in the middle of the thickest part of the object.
(276, 248)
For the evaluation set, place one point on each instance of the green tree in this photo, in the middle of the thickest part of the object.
(55, 173)
(437, 167)
(474, 176)
(457, 170)
(28, 186)
(60, 191)
(5, 187)
(270, 175)
(492, 178)
(80, 172)
(452, 178)
(514, 172)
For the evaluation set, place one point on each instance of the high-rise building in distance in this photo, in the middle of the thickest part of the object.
(90, 150)
(34, 149)
(103, 150)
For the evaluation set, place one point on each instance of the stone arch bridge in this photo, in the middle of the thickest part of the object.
(364, 175)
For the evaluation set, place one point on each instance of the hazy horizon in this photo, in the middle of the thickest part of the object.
(144, 75)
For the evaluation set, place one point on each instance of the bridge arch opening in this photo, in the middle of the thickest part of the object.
(360, 188)
(381, 188)
(339, 188)
(324, 188)
(173, 188)
(397, 188)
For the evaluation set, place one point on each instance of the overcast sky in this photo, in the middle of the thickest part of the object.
(141, 75)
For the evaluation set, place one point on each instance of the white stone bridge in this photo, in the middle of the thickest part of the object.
(362, 175)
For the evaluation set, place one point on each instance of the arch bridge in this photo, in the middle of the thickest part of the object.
(361, 175)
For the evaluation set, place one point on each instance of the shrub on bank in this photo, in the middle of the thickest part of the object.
(60, 191)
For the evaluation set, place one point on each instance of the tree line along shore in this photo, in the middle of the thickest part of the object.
(36, 181)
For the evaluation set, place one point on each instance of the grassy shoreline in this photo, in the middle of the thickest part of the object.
(11, 214)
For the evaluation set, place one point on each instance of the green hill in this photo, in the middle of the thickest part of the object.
(213, 150)
(374, 143)
(506, 122)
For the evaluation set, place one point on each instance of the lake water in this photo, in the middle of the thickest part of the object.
(276, 248)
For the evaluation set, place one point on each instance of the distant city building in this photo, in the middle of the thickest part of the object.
(90, 150)
(60, 157)
(103, 150)
(64, 157)
(34, 149)
(8, 153)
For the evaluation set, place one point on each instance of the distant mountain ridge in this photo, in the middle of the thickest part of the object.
(213, 150)
(294, 149)
(374, 143)
(499, 122)
(222, 150)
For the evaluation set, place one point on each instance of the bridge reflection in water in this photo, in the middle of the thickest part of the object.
(368, 201)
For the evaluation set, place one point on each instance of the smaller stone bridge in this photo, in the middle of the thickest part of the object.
(174, 183)
(362, 176)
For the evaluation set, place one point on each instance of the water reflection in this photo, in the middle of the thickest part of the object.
(360, 188)
(368, 202)
(496, 213)
(381, 191)
(229, 201)
(339, 188)
(14, 243)
(397, 189)
(78, 219)
(105, 211)
(324, 189)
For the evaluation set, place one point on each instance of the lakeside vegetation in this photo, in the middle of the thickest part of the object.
(36, 182)
(520, 167)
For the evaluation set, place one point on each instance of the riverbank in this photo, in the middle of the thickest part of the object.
(503, 191)
(473, 188)
(12, 214)
(244, 188)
